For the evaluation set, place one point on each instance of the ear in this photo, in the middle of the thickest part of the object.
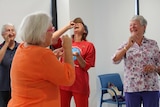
(145, 28)
(85, 31)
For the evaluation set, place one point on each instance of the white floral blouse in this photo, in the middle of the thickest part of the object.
(135, 79)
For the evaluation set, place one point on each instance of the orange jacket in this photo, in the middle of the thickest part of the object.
(35, 77)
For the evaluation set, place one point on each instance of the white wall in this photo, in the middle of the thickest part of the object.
(108, 23)
(13, 11)
(107, 20)
(149, 9)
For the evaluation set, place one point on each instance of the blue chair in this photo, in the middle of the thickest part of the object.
(116, 80)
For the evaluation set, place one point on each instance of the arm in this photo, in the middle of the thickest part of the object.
(156, 66)
(67, 49)
(89, 59)
(58, 33)
(61, 73)
(3, 51)
(122, 51)
(4, 47)
(81, 61)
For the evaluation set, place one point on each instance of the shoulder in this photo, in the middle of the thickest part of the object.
(89, 46)
(1, 45)
(17, 43)
(88, 43)
(150, 41)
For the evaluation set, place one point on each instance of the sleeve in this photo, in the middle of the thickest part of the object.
(90, 57)
(157, 54)
(57, 72)
(57, 45)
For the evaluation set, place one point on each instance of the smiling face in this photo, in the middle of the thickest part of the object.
(9, 30)
(136, 28)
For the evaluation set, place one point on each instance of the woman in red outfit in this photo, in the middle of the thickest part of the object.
(84, 58)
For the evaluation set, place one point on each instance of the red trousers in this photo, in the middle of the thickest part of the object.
(81, 100)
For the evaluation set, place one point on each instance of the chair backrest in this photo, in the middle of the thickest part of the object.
(113, 78)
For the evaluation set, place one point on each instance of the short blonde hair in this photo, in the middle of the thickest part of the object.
(34, 27)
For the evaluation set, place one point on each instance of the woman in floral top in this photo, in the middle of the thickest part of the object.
(141, 66)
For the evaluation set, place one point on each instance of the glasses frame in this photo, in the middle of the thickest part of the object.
(51, 29)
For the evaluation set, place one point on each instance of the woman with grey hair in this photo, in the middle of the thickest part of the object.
(141, 66)
(36, 72)
(7, 51)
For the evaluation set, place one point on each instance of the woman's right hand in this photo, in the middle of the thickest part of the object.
(66, 42)
(131, 41)
(7, 38)
(67, 48)
(71, 25)
(58, 52)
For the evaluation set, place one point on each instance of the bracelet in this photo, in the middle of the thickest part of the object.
(125, 48)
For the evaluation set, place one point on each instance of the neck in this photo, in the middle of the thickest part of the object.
(77, 38)
(11, 44)
(28, 44)
(139, 40)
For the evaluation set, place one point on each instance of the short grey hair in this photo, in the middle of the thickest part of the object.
(33, 27)
(3, 29)
(141, 19)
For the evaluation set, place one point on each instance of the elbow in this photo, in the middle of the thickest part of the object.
(115, 60)
(70, 77)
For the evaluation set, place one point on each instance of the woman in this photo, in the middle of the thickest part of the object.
(141, 66)
(84, 59)
(36, 73)
(7, 51)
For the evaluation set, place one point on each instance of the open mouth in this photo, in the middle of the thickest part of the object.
(134, 31)
(10, 35)
(76, 27)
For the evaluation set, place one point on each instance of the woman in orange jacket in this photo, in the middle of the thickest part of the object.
(36, 73)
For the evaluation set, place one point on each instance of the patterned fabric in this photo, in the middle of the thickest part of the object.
(135, 79)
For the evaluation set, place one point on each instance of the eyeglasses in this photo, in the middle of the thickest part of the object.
(51, 29)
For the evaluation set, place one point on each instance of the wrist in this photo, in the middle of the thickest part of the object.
(125, 48)
(6, 43)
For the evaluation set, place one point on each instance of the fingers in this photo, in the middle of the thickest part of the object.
(71, 25)
(7, 37)
(132, 39)
(149, 68)
(58, 52)
(75, 54)
(66, 42)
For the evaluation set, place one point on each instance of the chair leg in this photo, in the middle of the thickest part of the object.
(119, 105)
(100, 104)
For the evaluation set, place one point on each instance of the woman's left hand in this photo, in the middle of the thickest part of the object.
(149, 68)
